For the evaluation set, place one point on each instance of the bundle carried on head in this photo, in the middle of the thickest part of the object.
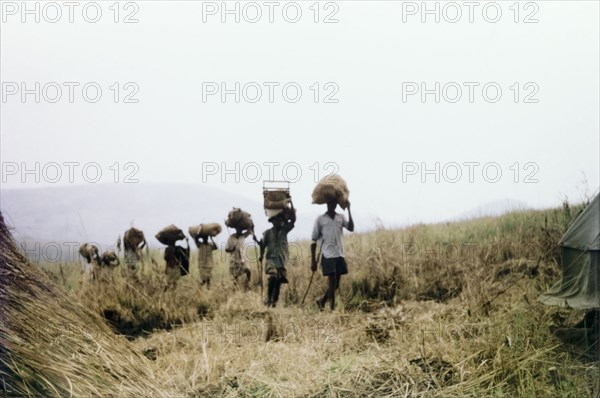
(89, 252)
(132, 238)
(239, 219)
(331, 188)
(169, 235)
(285, 214)
(276, 200)
(110, 259)
(211, 229)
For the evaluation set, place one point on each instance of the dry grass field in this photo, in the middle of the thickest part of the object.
(431, 310)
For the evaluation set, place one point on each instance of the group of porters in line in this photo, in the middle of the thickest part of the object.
(273, 244)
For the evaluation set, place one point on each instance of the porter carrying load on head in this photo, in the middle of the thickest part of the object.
(328, 232)
(201, 235)
(242, 222)
(133, 243)
(176, 257)
(91, 254)
(275, 244)
(177, 260)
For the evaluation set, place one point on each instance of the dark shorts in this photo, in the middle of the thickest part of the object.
(336, 265)
(278, 273)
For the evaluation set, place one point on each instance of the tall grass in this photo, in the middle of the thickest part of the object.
(431, 310)
(50, 345)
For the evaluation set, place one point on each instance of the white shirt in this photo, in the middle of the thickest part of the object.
(329, 232)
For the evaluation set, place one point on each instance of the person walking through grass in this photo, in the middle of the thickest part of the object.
(237, 258)
(275, 244)
(133, 243)
(328, 232)
(205, 258)
(176, 259)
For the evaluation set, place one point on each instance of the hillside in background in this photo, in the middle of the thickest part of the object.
(100, 213)
(494, 208)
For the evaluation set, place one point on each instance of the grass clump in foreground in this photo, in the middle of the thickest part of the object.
(430, 310)
(50, 345)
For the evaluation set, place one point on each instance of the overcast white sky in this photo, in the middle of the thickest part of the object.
(370, 58)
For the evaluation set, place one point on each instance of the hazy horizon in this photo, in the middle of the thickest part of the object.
(425, 120)
(103, 211)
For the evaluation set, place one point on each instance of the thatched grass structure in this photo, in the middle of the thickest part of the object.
(50, 345)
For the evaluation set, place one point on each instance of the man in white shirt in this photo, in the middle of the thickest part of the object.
(328, 232)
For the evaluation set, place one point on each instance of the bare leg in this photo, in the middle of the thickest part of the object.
(270, 288)
(247, 282)
(323, 299)
(276, 289)
(333, 279)
(329, 293)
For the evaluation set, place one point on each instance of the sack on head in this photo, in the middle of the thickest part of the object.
(132, 238)
(210, 229)
(110, 259)
(239, 219)
(276, 204)
(169, 235)
(285, 214)
(276, 199)
(331, 188)
(89, 252)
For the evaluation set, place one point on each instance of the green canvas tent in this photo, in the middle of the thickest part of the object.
(580, 257)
